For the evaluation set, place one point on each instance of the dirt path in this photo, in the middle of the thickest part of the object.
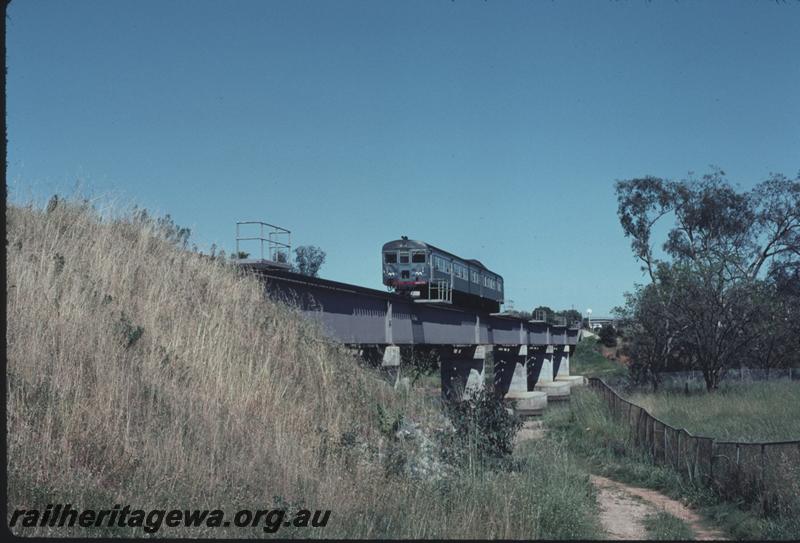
(624, 508)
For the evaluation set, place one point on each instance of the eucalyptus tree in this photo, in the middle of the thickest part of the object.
(712, 275)
(309, 259)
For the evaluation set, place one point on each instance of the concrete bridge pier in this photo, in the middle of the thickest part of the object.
(540, 367)
(462, 370)
(555, 390)
(563, 371)
(536, 359)
(560, 361)
(385, 358)
(513, 383)
(506, 358)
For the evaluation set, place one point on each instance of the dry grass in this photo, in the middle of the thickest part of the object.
(224, 398)
(143, 374)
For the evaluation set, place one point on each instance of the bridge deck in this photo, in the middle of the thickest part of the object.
(358, 315)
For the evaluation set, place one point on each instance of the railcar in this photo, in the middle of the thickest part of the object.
(429, 274)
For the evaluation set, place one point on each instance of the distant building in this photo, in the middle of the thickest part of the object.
(599, 322)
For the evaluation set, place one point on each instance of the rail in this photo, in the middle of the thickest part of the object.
(278, 239)
(438, 292)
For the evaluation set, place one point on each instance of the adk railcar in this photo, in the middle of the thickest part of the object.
(427, 273)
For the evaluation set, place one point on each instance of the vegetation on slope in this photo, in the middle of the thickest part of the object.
(589, 362)
(141, 373)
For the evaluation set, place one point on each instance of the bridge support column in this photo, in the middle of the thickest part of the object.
(461, 371)
(476, 379)
(563, 373)
(506, 360)
(536, 357)
(555, 390)
(391, 356)
(520, 391)
(386, 359)
(561, 361)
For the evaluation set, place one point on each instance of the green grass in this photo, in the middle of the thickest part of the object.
(762, 411)
(602, 446)
(588, 362)
(665, 527)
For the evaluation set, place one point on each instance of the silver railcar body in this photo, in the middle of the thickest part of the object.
(411, 266)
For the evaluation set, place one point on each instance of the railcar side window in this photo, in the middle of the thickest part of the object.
(390, 258)
(476, 278)
(418, 257)
(403, 258)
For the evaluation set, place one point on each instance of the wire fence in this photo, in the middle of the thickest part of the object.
(694, 379)
(767, 473)
(733, 375)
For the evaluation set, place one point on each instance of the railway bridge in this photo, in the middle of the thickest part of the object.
(528, 360)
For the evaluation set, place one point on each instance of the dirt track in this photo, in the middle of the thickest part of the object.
(623, 508)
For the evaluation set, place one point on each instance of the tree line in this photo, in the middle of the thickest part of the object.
(546, 314)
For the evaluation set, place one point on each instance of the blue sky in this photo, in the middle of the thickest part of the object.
(492, 129)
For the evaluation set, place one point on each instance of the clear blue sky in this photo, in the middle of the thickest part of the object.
(493, 129)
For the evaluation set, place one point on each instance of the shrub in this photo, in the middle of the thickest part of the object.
(485, 430)
(607, 335)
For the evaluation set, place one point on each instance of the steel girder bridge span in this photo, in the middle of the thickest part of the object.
(529, 359)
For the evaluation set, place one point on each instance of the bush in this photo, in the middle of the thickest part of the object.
(485, 431)
(607, 335)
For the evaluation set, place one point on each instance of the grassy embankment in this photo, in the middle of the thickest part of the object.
(143, 374)
(604, 445)
(588, 362)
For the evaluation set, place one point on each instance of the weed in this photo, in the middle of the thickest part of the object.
(58, 263)
(485, 430)
(129, 333)
(388, 424)
(664, 527)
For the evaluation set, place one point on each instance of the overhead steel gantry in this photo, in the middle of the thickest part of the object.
(393, 327)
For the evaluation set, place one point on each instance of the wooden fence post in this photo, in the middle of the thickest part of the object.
(764, 501)
(653, 440)
(711, 466)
